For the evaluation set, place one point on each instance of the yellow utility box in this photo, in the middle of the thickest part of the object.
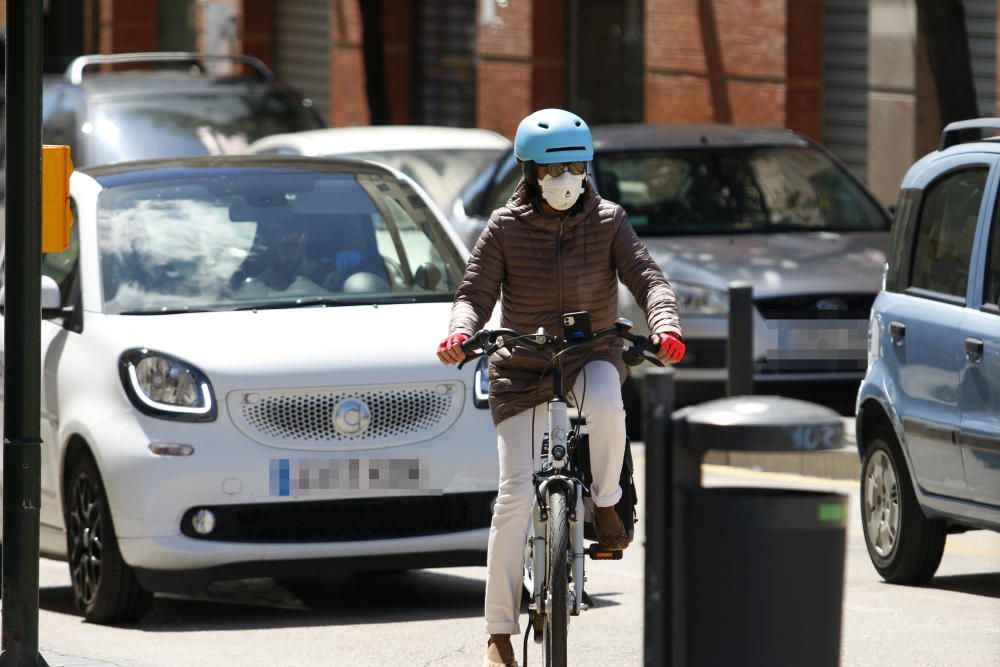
(56, 216)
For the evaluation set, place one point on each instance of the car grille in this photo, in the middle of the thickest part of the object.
(307, 418)
(348, 520)
(817, 306)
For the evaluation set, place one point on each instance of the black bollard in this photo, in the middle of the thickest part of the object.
(739, 344)
(659, 404)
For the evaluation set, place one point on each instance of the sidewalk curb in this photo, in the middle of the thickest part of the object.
(57, 659)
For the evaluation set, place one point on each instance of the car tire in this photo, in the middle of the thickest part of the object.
(904, 546)
(105, 588)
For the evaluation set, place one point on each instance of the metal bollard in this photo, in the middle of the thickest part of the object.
(739, 344)
(659, 404)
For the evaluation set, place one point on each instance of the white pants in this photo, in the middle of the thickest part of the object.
(605, 414)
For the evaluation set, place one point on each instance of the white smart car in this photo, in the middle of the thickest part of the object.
(239, 380)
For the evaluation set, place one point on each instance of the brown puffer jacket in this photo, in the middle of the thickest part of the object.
(542, 267)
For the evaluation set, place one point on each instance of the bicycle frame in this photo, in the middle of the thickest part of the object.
(555, 472)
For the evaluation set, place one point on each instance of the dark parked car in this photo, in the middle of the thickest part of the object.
(166, 105)
(715, 204)
(928, 412)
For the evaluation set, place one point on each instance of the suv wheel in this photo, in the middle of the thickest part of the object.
(105, 588)
(905, 547)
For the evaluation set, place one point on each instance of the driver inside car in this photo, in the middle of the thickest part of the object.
(282, 262)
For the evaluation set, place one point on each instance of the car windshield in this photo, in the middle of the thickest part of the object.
(139, 128)
(218, 239)
(442, 173)
(749, 190)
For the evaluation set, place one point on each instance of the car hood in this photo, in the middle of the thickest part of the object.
(786, 263)
(302, 347)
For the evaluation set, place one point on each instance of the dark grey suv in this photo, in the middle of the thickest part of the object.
(166, 105)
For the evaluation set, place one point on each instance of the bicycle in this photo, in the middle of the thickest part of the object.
(555, 545)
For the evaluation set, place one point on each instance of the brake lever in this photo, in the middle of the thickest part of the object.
(485, 353)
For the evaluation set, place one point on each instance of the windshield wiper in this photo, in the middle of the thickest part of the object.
(313, 301)
(169, 311)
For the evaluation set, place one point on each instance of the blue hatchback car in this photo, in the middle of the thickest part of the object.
(928, 410)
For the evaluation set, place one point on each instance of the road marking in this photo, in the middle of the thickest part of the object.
(733, 471)
(957, 546)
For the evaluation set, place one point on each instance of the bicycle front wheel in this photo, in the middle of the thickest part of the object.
(557, 578)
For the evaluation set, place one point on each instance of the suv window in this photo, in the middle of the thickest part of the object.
(59, 121)
(901, 239)
(945, 232)
(146, 126)
(991, 279)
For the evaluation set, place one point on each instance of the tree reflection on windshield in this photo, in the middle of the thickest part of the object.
(735, 191)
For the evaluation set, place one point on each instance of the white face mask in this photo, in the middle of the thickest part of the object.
(561, 192)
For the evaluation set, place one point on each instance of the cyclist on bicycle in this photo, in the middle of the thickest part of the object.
(555, 247)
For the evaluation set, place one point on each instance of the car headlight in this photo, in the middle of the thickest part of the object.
(481, 384)
(164, 386)
(698, 300)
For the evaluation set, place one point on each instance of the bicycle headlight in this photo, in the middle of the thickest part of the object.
(481, 384)
(699, 300)
(164, 386)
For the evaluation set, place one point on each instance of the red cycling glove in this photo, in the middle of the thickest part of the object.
(445, 351)
(671, 347)
(452, 340)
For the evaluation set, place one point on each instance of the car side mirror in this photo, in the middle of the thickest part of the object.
(51, 298)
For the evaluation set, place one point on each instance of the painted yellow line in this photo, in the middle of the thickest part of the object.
(956, 546)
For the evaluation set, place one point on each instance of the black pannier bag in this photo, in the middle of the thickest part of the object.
(626, 507)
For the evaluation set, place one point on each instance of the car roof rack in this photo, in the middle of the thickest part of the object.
(953, 133)
(74, 72)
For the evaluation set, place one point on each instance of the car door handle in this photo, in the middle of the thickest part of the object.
(974, 350)
(897, 330)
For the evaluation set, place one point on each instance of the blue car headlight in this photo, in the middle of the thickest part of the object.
(164, 386)
(481, 384)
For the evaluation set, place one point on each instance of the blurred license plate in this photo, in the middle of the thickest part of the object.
(817, 339)
(316, 477)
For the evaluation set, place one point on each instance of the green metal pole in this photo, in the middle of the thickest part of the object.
(22, 336)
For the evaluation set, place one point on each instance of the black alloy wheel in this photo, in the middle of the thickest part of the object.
(105, 588)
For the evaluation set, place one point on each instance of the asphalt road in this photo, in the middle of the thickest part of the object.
(435, 617)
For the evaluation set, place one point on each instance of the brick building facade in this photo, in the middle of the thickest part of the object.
(817, 66)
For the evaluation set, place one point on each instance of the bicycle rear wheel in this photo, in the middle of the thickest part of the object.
(557, 616)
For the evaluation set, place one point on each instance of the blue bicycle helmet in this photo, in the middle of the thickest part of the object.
(553, 135)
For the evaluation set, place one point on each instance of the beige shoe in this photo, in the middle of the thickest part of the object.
(499, 652)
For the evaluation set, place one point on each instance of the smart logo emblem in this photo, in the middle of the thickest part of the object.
(351, 417)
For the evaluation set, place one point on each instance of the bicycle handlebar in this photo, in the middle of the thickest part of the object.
(486, 341)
